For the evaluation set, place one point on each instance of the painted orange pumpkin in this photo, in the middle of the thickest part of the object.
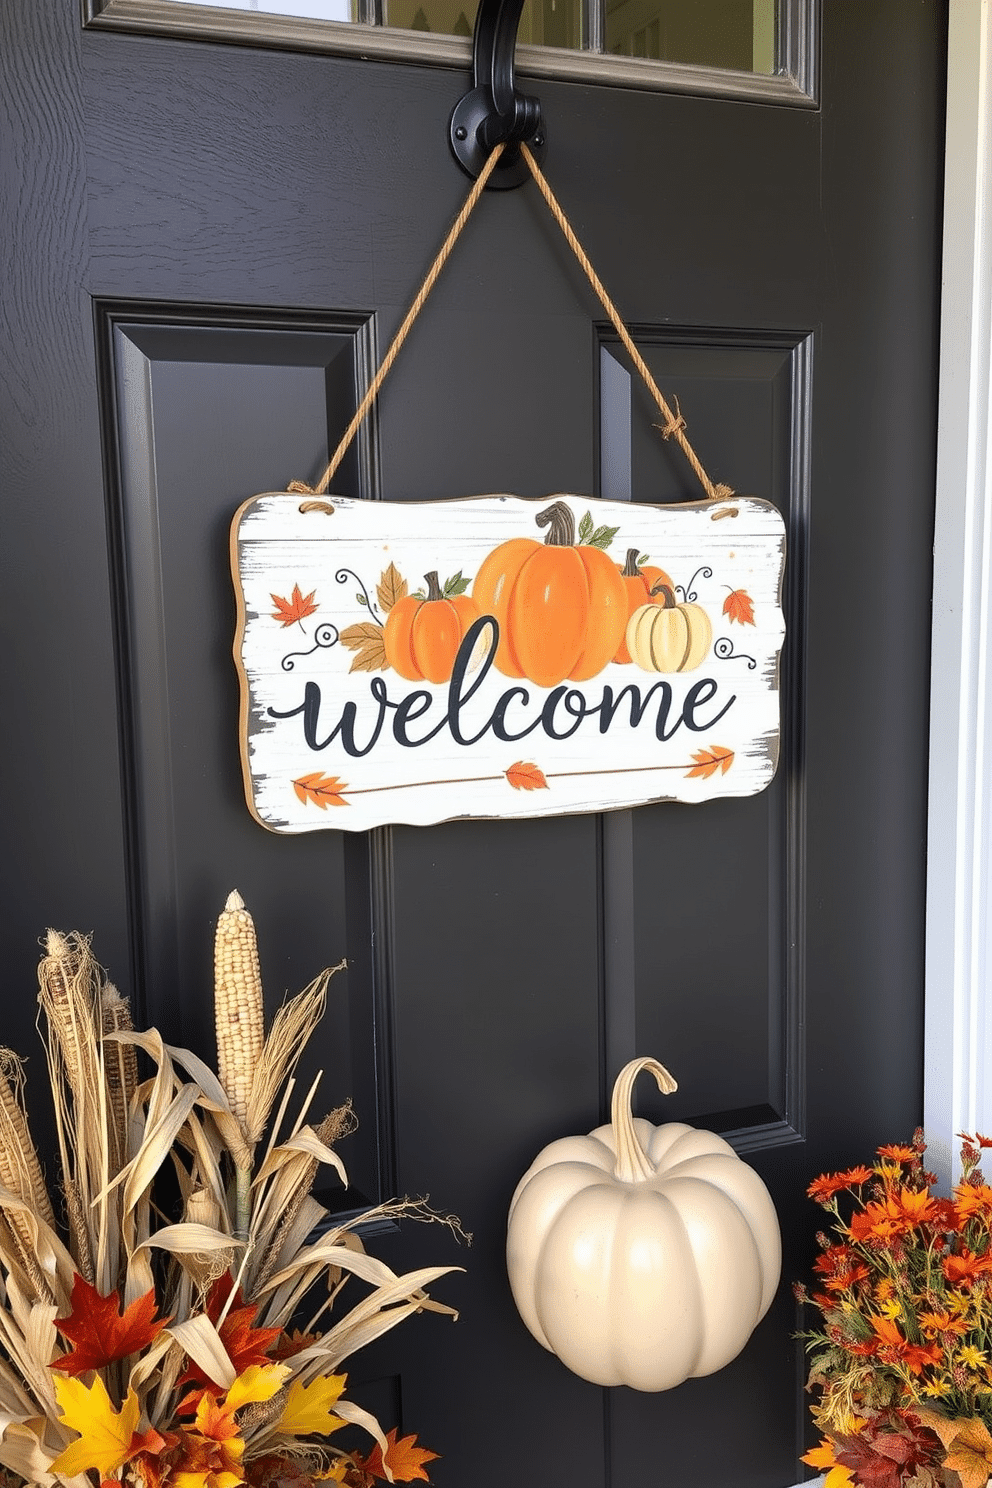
(561, 606)
(422, 636)
(644, 586)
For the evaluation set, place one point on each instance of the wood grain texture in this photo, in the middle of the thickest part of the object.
(60, 679)
(330, 701)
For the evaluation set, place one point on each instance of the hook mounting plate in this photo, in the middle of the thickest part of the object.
(467, 120)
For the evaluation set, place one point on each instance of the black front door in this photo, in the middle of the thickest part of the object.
(210, 244)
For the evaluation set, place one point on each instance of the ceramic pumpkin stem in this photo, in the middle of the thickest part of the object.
(434, 590)
(560, 523)
(631, 569)
(633, 1164)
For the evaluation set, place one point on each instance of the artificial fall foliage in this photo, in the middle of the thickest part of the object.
(901, 1367)
(185, 1333)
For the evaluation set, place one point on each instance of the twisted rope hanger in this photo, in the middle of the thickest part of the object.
(674, 425)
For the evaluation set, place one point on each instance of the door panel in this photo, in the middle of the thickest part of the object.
(210, 246)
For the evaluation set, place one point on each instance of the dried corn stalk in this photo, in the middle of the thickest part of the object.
(116, 1134)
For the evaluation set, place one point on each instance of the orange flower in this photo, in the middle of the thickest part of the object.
(897, 1151)
(896, 1215)
(934, 1323)
(971, 1200)
(965, 1266)
(894, 1348)
(828, 1184)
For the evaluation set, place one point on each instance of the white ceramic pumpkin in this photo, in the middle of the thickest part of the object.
(642, 1255)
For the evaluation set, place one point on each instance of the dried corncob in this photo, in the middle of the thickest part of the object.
(20, 1170)
(238, 1009)
(120, 1065)
(15, 1251)
(82, 1253)
(69, 982)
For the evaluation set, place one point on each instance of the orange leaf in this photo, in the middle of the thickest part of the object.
(739, 606)
(526, 776)
(391, 587)
(404, 1459)
(100, 1332)
(320, 790)
(367, 640)
(291, 611)
(708, 761)
(245, 1344)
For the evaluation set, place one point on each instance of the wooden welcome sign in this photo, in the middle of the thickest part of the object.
(496, 657)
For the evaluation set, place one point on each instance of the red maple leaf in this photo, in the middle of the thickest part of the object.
(708, 761)
(739, 606)
(404, 1459)
(526, 776)
(245, 1344)
(298, 607)
(100, 1332)
(320, 790)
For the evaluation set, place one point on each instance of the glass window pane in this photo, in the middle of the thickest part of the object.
(317, 10)
(738, 34)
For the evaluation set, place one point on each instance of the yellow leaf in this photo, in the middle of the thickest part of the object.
(258, 1382)
(105, 1434)
(308, 1407)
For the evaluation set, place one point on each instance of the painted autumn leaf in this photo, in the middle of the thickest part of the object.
(404, 1459)
(291, 611)
(739, 606)
(391, 587)
(320, 790)
(708, 761)
(526, 776)
(107, 1437)
(100, 1332)
(365, 639)
(308, 1407)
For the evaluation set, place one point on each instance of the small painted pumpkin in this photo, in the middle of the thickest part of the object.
(561, 606)
(669, 637)
(644, 586)
(422, 636)
(642, 1255)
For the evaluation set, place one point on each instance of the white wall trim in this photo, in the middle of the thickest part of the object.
(958, 1069)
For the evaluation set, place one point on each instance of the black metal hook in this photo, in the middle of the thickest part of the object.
(493, 111)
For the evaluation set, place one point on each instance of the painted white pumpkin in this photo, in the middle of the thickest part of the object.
(642, 1255)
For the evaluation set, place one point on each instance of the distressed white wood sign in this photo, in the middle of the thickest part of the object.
(496, 657)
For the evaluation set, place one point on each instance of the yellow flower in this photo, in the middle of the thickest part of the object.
(937, 1387)
(891, 1310)
(970, 1356)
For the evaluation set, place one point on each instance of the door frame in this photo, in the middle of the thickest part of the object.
(958, 1029)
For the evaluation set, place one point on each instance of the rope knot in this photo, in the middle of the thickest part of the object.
(675, 425)
(300, 488)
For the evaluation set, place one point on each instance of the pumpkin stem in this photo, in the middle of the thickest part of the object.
(434, 590)
(633, 1164)
(662, 588)
(630, 569)
(560, 524)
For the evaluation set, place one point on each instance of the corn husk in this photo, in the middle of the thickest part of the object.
(171, 1178)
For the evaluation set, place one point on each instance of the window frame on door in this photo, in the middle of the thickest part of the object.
(796, 83)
